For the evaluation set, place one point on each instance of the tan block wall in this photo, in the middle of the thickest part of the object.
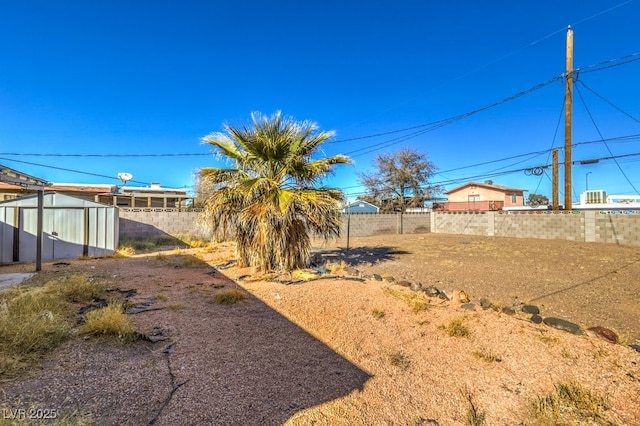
(157, 222)
(152, 222)
(589, 226)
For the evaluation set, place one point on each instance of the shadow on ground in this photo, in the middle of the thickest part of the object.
(238, 364)
(356, 256)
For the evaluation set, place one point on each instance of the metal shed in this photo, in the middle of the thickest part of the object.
(72, 227)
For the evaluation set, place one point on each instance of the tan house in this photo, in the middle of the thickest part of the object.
(474, 196)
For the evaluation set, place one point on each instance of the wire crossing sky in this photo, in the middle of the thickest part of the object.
(91, 89)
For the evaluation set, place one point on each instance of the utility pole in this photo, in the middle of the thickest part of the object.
(568, 106)
(554, 179)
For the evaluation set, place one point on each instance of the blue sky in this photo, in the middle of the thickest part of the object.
(153, 77)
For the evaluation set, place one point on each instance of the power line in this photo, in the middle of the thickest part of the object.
(69, 170)
(609, 102)
(601, 137)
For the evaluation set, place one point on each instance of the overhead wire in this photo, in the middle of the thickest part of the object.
(605, 143)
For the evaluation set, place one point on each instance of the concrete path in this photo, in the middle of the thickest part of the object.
(10, 280)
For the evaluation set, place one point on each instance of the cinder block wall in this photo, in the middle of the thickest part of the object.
(589, 226)
(150, 222)
(366, 224)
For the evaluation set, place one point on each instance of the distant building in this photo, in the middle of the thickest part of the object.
(474, 196)
(128, 196)
(360, 206)
(155, 195)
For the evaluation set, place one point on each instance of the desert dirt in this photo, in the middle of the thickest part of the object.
(348, 349)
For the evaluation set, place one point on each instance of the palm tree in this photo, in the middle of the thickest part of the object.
(269, 200)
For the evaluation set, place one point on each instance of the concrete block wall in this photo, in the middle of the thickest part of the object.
(589, 226)
(154, 222)
(472, 223)
(367, 224)
(157, 222)
(547, 226)
(617, 228)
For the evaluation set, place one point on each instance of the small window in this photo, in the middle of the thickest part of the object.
(514, 198)
(474, 197)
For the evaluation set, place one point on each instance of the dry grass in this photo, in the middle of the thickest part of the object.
(487, 355)
(38, 316)
(416, 301)
(337, 268)
(456, 328)
(399, 359)
(229, 297)
(78, 288)
(377, 313)
(31, 322)
(473, 415)
(108, 321)
(570, 403)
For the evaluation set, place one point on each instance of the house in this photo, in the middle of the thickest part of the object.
(474, 196)
(128, 196)
(360, 206)
(155, 195)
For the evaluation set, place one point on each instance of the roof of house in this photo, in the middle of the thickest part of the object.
(486, 185)
(19, 179)
(357, 202)
(69, 187)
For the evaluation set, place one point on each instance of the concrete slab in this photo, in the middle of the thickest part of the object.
(10, 280)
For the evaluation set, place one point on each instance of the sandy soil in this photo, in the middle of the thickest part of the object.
(351, 350)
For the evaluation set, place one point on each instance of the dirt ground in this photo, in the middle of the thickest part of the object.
(350, 349)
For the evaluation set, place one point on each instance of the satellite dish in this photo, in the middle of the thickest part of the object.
(125, 177)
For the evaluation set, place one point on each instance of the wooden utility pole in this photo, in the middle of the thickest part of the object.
(568, 107)
(554, 179)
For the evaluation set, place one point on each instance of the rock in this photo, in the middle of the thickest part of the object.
(403, 283)
(416, 286)
(442, 295)
(603, 333)
(460, 296)
(485, 303)
(536, 319)
(377, 277)
(431, 291)
(157, 334)
(509, 311)
(563, 325)
(352, 271)
(635, 347)
(468, 306)
(530, 309)
(321, 269)
(389, 279)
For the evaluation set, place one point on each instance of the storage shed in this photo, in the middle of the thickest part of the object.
(72, 227)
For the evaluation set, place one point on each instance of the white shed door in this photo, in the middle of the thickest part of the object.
(63, 234)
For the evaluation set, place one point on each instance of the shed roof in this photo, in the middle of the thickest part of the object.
(52, 199)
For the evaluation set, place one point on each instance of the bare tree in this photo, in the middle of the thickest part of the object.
(400, 180)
